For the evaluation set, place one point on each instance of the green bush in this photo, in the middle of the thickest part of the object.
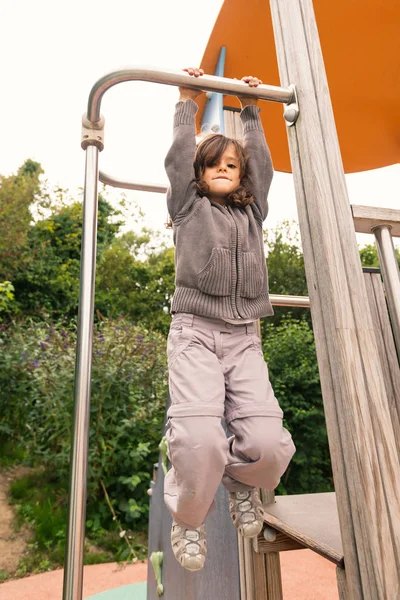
(129, 387)
(290, 353)
(6, 297)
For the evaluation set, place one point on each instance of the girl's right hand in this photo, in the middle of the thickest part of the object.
(187, 93)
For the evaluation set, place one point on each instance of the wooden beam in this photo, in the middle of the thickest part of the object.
(281, 543)
(386, 347)
(274, 578)
(309, 519)
(364, 455)
(260, 578)
(367, 217)
(341, 583)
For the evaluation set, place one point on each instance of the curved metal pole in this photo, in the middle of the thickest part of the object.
(132, 185)
(73, 567)
(207, 83)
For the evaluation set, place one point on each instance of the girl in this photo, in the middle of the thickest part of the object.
(216, 367)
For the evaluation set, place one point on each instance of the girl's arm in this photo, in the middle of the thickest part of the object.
(179, 160)
(260, 169)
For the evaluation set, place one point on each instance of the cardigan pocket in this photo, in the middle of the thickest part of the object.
(252, 276)
(216, 277)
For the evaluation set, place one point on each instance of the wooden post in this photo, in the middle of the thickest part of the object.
(364, 456)
(341, 583)
(260, 574)
(272, 561)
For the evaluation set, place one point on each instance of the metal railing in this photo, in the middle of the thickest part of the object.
(93, 142)
(132, 185)
(206, 83)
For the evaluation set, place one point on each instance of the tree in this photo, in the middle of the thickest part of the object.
(49, 280)
(17, 195)
(285, 270)
(369, 256)
(140, 288)
(290, 353)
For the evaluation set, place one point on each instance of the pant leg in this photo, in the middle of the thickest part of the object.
(260, 449)
(259, 453)
(197, 442)
(198, 452)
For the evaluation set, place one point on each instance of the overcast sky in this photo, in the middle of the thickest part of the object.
(52, 54)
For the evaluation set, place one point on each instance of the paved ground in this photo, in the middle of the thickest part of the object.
(305, 575)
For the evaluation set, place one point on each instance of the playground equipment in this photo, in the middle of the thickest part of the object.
(361, 404)
(92, 142)
(357, 361)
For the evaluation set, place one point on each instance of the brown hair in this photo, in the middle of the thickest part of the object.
(208, 153)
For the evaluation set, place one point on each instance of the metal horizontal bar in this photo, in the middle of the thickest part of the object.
(132, 185)
(297, 301)
(207, 83)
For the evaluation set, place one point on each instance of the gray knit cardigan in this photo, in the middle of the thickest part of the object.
(219, 259)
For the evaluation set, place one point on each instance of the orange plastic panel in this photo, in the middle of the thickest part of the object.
(360, 42)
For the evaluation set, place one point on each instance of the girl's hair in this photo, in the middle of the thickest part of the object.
(208, 154)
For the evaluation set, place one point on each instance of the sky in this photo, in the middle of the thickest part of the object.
(52, 54)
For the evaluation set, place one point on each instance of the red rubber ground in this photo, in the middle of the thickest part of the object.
(305, 575)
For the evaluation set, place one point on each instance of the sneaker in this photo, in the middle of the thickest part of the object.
(189, 546)
(246, 512)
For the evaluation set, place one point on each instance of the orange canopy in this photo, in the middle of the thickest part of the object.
(360, 42)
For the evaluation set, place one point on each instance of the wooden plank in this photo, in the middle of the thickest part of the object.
(391, 278)
(233, 124)
(242, 573)
(365, 218)
(261, 574)
(274, 578)
(364, 455)
(260, 577)
(342, 583)
(311, 520)
(248, 569)
(386, 347)
(385, 329)
(281, 543)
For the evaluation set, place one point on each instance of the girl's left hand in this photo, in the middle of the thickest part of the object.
(252, 82)
(188, 93)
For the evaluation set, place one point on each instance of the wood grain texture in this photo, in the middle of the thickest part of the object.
(249, 569)
(311, 520)
(386, 347)
(365, 218)
(260, 573)
(391, 278)
(260, 578)
(274, 578)
(282, 543)
(233, 124)
(363, 449)
(242, 574)
(341, 583)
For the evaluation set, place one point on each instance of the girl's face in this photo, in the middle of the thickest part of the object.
(223, 178)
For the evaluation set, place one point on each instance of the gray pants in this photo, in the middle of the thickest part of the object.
(217, 370)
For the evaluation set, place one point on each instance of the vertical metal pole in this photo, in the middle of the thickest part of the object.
(73, 566)
(391, 277)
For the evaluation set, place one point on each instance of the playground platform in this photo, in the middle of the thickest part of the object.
(305, 576)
